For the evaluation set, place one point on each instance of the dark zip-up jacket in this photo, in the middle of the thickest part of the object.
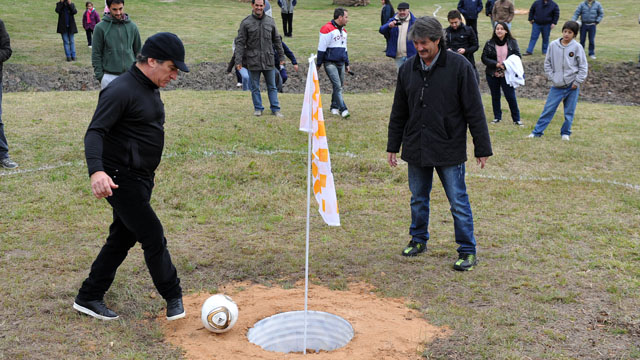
(115, 45)
(463, 37)
(543, 13)
(127, 129)
(432, 111)
(5, 46)
(490, 56)
(255, 43)
(470, 8)
(65, 17)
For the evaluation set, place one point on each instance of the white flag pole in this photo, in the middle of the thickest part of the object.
(306, 261)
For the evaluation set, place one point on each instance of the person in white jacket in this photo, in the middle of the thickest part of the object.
(566, 66)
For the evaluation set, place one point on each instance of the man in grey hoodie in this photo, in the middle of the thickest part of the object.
(566, 66)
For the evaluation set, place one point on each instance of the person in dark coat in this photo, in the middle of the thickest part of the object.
(436, 100)
(67, 27)
(5, 54)
(123, 147)
(543, 16)
(461, 38)
(89, 20)
(470, 10)
(385, 14)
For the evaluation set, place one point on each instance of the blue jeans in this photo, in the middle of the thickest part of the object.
(69, 44)
(591, 30)
(495, 83)
(400, 61)
(272, 90)
(4, 147)
(452, 179)
(243, 77)
(556, 95)
(536, 30)
(335, 72)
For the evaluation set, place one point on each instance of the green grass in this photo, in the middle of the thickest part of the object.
(208, 28)
(556, 222)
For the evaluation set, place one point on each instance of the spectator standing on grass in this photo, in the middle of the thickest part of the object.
(495, 52)
(257, 36)
(566, 66)
(67, 27)
(116, 42)
(332, 53)
(461, 39)
(503, 11)
(281, 74)
(591, 13)
(242, 75)
(123, 147)
(488, 9)
(385, 14)
(399, 47)
(286, 9)
(5, 54)
(89, 21)
(470, 10)
(436, 99)
(543, 16)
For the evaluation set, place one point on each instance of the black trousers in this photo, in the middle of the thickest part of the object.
(287, 24)
(89, 35)
(474, 25)
(133, 221)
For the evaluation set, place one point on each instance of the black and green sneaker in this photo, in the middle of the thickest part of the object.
(414, 248)
(466, 262)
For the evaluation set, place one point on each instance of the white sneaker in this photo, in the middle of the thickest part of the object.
(335, 112)
(495, 121)
(345, 114)
(257, 113)
(565, 137)
(530, 136)
(89, 46)
(593, 57)
(238, 84)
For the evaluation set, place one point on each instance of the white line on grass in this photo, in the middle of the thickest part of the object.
(211, 153)
(437, 9)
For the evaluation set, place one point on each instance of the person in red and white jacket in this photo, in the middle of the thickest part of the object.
(332, 52)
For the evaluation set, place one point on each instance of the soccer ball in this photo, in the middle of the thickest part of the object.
(219, 313)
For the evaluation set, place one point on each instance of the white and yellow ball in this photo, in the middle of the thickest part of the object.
(219, 313)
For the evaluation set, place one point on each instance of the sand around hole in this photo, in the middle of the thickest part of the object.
(384, 327)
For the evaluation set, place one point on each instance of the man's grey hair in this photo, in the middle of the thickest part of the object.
(426, 27)
(143, 59)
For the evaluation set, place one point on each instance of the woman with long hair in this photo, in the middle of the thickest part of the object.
(495, 52)
(387, 13)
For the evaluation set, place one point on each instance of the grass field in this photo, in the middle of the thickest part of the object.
(557, 226)
(208, 27)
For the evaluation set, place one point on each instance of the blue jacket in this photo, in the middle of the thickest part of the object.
(544, 13)
(590, 15)
(392, 44)
(470, 8)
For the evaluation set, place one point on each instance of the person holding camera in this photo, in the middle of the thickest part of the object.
(67, 27)
(399, 46)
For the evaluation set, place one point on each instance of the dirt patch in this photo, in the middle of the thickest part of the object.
(613, 84)
(384, 327)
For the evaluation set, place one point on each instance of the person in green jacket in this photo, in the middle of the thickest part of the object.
(116, 42)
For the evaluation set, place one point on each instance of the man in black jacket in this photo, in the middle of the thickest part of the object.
(5, 54)
(543, 16)
(436, 99)
(123, 147)
(461, 38)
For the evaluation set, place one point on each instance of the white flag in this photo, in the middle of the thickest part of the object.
(312, 120)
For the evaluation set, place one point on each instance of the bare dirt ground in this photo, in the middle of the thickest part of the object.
(612, 84)
(385, 328)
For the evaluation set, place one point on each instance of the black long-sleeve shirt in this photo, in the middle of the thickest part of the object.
(127, 129)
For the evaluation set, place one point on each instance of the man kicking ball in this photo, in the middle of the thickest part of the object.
(123, 147)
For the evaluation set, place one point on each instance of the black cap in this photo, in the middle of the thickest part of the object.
(403, 5)
(165, 46)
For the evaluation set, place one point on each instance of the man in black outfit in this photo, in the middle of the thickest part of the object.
(123, 147)
(461, 38)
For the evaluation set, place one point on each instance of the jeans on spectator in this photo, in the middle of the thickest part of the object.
(566, 95)
(133, 221)
(107, 79)
(335, 72)
(588, 30)
(400, 61)
(536, 30)
(452, 179)
(495, 84)
(272, 90)
(69, 44)
(4, 146)
(243, 77)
